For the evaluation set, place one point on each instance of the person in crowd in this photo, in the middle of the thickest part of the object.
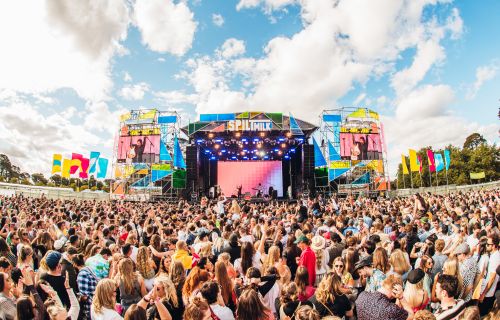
(307, 258)
(446, 291)
(329, 298)
(130, 284)
(414, 292)
(487, 296)
(251, 307)
(103, 304)
(211, 292)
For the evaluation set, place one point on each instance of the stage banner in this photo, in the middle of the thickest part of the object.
(353, 188)
(103, 168)
(447, 159)
(319, 159)
(84, 165)
(335, 173)
(332, 118)
(94, 155)
(178, 158)
(66, 168)
(167, 119)
(365, 178)
(76, 162)
(56, 163)
(403, 163)
(139, 117)
(294, 127)
(439, 161)
(432, 162)
(342, 164)
(414, 166)
(477, 175)
(139, 149)
(333, 155)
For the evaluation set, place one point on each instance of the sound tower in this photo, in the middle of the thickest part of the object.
(308, 167)
(191, 164)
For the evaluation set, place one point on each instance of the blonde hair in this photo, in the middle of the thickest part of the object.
(206, 250)
(328, 288)
(398, 262)
(103, 297)
(308, 313)
(273, 256)
(319, 257)
(424, 315)
(169, 288)
(451, 267)
(380, 260)
(127, 274)
(143, 265)
(411, 293)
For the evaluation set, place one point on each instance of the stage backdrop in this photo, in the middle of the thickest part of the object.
(249, 174)
(129, 148)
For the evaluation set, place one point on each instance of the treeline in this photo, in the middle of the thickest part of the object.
(13, 174)
(475, 156)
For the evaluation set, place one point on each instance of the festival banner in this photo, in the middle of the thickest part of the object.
(447, 159)
(94, 155)
(84, 168)
(439, 161)
(76, 162)
(178, 159)
(420, 163)
(414, 166)
(403, 163)
(477, 175)
(342, 164)
(103, 168)
(56, 163)
(319, 159)
(66, 168)
(432, 162)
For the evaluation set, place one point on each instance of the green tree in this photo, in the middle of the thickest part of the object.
(474, 140)
(39, 179)
(56, 179)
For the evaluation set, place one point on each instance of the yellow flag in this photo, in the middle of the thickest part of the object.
(414, 166)
(56, 163)
(403, 162)
(65, 169)
(148, 115)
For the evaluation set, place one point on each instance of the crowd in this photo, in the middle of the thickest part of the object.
(420, 257)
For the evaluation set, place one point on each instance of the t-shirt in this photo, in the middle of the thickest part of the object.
(256, 263)
(222, 312)
(451, 312)
(105, 314)
(57, 283)
(308, 260)
(492, 268)
(339, 307)
(376, 306)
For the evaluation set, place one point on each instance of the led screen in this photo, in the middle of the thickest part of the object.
(139, 149)
(358, 146)
(248, 174)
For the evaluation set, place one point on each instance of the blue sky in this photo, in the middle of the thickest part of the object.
(70, 68)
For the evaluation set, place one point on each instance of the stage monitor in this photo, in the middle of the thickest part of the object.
(248, 174)
(139, 149)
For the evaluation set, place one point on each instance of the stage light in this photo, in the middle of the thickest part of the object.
(246, 158)
(259, 145)
(207, 151)
(218, 140)
(287, 157)
(254, 157)
(216, 146)
(300, 140)
(243, 153)
(262, 153)
(237, 134)
(262, 134)
(283, 145)
(281, 139)
(199, 141)
(220, 153)
(266, 157)
(288, 134)
(210, 135)
(233, 157)
(293, 150)
(244, 140)
(276, 150)
(280, 153)
(212, 158)
(223, 150)
(256, 139)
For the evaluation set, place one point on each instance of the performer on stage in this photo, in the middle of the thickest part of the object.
(258, 190)
(238, 188)
(136, 150)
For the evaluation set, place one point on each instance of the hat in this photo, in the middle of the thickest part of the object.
(326, 235)
(73, 238)
(52, 259)
(59, 243)
(415, 276)
(364, 262)
(463, 248)
(301, 238)
(318, 243)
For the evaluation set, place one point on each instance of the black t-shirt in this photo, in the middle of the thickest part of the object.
(57, 283)
(175, 312)
(290, 254)
(339, 307)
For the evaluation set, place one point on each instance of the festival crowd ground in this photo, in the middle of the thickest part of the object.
(421, 257)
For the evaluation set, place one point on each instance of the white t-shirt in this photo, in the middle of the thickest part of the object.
(472, 241)
(256, 263)
(492, 268)
(106, 314)
(222, 312)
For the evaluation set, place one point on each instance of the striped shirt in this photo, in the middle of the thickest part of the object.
(452, 312)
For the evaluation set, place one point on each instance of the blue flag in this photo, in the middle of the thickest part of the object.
(447, 158)
(438, 159)
(94, 156)
(103, 168)
(333, 154)
(178, 158)
(319, 159)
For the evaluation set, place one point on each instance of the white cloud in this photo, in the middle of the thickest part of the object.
(99, 117)
(269, 5)
(127, 77)
(175, 97)
(55, 44)
(232, 47)
(217, 19)
(483, 74)
(359, 98)
(165, 26)
(134, 91)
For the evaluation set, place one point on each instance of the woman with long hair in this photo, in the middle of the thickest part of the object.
(302, 280)
(135, 312)
(450, 267)
(414, 292)
(130, 284)
(399, 264)
(329, 298)
(250, 307)
(274, 259)
(25, 260)
(164, 266)
(227, 288)
(426, 264)
(289, 302)
(226, 259)
(351, 257)
(103, 303)
(198, 309)
(178, 276)
(290, 253)
(6, 252)
(381, 260)
(339, 268)
(146, 267)
(164, 290)
(193, 283)
(249, 258)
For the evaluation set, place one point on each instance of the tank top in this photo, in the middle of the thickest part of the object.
(130, 298)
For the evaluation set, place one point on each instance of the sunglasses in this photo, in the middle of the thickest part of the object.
(339, 266)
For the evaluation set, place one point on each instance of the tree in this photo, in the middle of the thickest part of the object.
(5, 166)
(473, 141)
(56, 179)
(39, 179)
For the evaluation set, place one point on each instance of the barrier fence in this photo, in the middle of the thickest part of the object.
(445, 189)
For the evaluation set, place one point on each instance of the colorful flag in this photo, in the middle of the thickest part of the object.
(178, 159)
(94, 155)
(420, 163)
(76, 162)
(438, 157)
(414, 166)
(447, 159)
(477, 175)
(66, 168)
(432, 163)
(403, 163)
(103, 168)
(56, 163)
(84, 168)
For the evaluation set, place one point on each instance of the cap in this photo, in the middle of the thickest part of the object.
(415, 276)
(59, 243)
(301, 238)
(364, 262)
(462, 248)
(318, 243)
(52, 259)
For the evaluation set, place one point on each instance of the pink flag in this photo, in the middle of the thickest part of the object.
(420, 163)
(432, 163)
(76, 162)
(84, 162)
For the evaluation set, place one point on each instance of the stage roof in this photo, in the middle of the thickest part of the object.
(250, 121)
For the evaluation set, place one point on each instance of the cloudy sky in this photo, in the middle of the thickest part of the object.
(69, 68)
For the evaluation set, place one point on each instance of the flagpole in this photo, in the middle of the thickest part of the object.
(404, 182)
(430, 174)
(437, 179)
(420, 174)
(411, 179)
